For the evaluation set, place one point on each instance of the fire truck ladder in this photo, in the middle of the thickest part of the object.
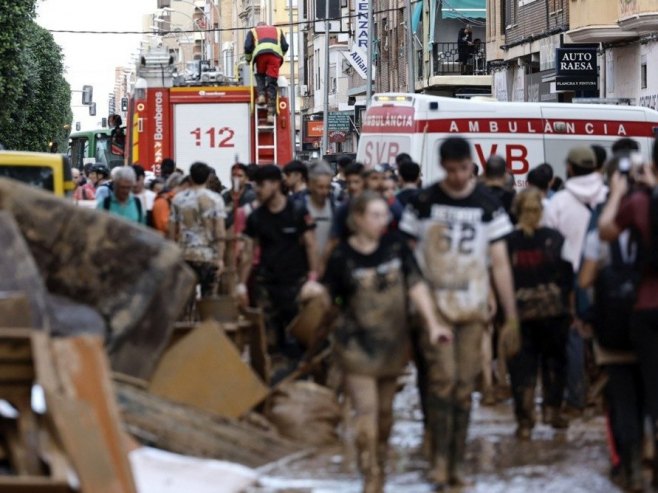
(266, 133)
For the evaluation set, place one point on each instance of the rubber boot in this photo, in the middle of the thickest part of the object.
(261, 86)
(553, 417)
(458, 447)
(271, 115)
(440, 426)
(634, 470)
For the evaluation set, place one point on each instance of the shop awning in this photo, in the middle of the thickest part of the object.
(464, 9)
(416, 16)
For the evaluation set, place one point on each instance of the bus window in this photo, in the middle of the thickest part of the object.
(38, 176)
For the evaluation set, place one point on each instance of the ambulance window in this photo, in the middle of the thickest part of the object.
(655, 132)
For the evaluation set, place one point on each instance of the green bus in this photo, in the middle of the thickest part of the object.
(93, 146)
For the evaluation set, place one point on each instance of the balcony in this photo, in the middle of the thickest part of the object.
(445, 60)
(641, 17)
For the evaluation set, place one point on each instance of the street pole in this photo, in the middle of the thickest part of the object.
(370, 52)
(325, 122)
(293, 85)
(411, 86)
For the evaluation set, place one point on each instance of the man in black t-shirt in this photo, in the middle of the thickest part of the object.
(283, 230)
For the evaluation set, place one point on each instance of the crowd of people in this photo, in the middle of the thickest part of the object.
(452, 275)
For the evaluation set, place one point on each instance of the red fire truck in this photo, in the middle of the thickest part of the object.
(197, 121)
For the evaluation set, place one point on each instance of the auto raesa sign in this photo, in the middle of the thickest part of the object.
(576, 68)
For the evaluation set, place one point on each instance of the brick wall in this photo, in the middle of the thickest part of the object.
(523, 19)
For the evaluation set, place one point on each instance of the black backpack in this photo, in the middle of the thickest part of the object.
(615, 292)
(651, 257)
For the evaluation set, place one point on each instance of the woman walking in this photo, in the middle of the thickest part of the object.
(370, 278)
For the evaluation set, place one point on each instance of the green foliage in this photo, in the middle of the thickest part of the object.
(36, 99)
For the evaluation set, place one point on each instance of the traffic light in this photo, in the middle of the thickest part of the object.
(104, 122)
(124, 104)
(92, 109)
(87, 94)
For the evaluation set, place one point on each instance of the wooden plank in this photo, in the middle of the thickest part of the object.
(204, 370)
(32, 484)
(85, 376)
(178, 428)
(15, 310)
(80, 433)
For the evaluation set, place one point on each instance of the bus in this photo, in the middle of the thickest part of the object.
(93, 146)
(50, 172)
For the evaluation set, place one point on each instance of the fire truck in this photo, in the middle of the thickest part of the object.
(207, 118)
(525, 134)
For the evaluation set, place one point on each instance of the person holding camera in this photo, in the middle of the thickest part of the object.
(636, 210)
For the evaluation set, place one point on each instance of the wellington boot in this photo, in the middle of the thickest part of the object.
(438, 474)
(373, 483)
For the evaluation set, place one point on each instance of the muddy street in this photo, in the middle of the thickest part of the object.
(553, 462)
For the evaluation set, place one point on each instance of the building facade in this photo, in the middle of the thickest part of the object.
(523, 35)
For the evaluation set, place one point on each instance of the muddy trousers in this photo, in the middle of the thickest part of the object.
(625, 403)
(543, 344)
(644, 336)
(279, 304)
(372, 400)
(451, 373)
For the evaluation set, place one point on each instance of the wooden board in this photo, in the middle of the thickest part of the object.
(15, 310)
(94, 440)
(204, 370)
(182, 429)
(32, 484)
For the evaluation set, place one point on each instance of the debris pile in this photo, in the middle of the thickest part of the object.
(88, 310)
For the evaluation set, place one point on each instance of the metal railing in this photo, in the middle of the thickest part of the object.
(446, 59)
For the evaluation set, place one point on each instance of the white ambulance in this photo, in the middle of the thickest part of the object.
(525, 134)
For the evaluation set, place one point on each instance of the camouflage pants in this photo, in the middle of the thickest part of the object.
(450, 373)
(372, 400)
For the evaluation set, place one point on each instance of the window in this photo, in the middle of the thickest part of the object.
(38, 176)
(643, 72)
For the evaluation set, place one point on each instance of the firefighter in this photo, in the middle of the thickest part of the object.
(267, 45)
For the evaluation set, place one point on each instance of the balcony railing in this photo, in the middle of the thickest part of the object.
(446, 60)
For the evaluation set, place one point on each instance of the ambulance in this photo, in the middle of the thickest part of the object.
(525, 134)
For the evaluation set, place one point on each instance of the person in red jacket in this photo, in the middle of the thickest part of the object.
(267, 46)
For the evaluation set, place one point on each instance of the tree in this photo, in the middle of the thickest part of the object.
(36, 98)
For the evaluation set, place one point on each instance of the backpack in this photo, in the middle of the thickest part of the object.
(651, 256)
(138, 203)
(615, 292)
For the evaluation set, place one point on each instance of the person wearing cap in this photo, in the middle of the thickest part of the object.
(100, 177)
(283, 230)
(296, 179)
(569, 212)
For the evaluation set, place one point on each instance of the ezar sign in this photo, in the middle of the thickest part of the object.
(576, 68)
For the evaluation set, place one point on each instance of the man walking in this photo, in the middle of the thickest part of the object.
(569, 211)
(320, 204)
(196, 222)
(283, 230)
(458, 228)
(267, 46)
